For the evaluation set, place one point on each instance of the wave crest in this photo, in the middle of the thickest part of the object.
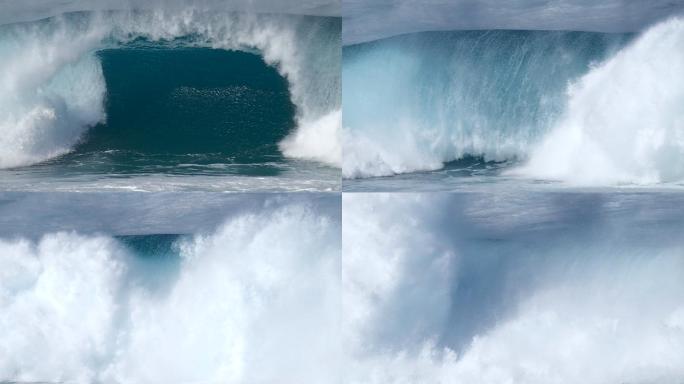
(418, 101)
(624, 122)
(45, 116)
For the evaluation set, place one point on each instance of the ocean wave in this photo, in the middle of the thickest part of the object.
(560, 103)
(53, 87)
(230, 308)
(624, 121)
(439, 96)
(509, 297)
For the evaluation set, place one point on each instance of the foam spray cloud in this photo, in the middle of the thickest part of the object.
(604, 312)
(74, 308)
(623, 122)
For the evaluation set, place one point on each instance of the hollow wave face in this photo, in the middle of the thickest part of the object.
(54, 88)
(191, 100)
(624, 121)
(227, 306)
(500, 305)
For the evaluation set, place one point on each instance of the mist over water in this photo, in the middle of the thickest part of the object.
(529, 288)
(40, 9)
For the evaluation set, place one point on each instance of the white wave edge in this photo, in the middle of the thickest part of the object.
(52, 88)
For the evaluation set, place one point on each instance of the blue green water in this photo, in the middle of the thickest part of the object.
(192, 101)
(437, 110)
(185, 110)
(179, 112)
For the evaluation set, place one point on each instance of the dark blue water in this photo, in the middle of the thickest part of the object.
(169, 107)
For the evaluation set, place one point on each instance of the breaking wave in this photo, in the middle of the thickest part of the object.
(54, 90)
(228, 306)
(580, 107)
(624, 121)
(510, 298)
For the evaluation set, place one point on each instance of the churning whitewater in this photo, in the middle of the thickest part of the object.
(53, 87)
(515, 288)
(583, 108)
(227, 304)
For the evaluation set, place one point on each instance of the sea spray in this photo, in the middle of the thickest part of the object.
(536, 288)
(78, 308)
(624, 121)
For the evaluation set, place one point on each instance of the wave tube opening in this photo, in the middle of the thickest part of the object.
(166, 105)
(61, 82)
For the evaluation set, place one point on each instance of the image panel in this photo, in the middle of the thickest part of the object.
(475, 95)
(208, 95)
(169, 288)
(499, 288)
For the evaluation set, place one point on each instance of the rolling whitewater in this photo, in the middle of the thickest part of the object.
(535, 288)
(91, 282)
(170, 100)
(463, 110)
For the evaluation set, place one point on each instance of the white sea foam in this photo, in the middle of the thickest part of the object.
(317, 140)
(58, 301)
(244, 298)
(51, 90)
(379, 250)
(624, 123)
(614, 316)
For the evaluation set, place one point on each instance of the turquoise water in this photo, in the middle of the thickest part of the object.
(434, 101)
(228, 105)
(147, 106)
